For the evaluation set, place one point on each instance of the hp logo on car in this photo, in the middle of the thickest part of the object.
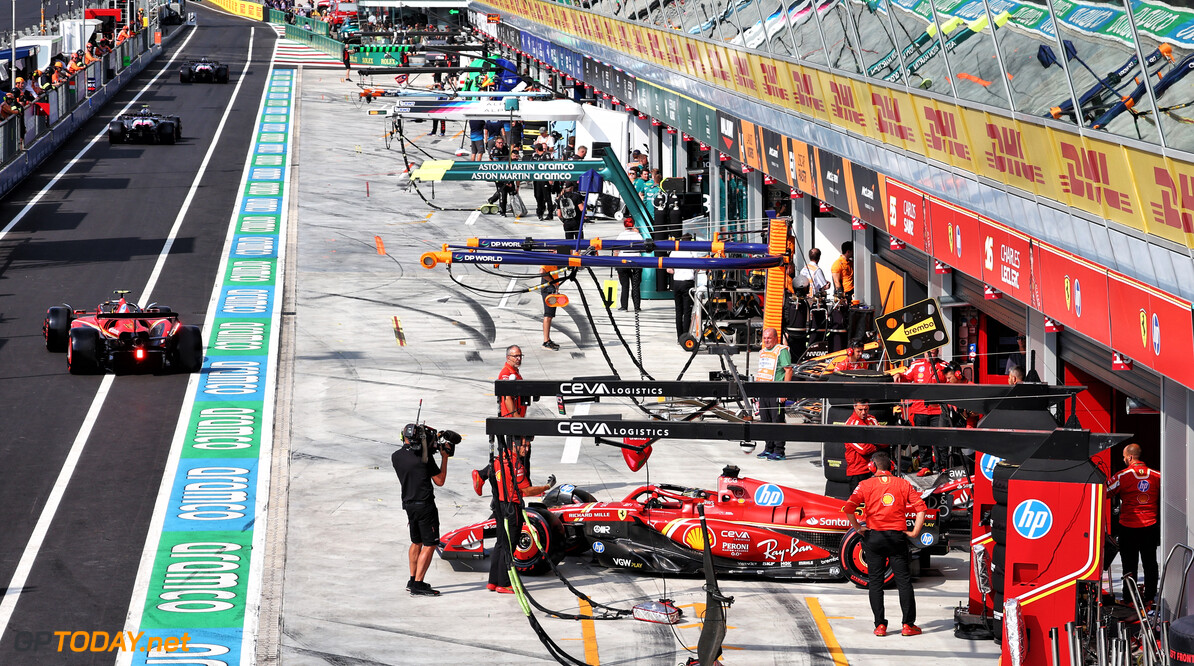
(1032, 519)
(567, 488)
(987, 464)
(769, 494)
(926, 538)
(598, 547)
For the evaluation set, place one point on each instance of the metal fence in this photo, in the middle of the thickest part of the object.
(328, 45)
(53, 105)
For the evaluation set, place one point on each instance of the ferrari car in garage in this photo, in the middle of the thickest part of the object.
(203, 70)
(120, 336)
(144, 127)
(756, 528)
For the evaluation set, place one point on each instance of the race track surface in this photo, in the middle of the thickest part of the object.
(101, 227)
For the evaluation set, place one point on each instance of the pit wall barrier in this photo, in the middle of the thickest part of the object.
(45, 125)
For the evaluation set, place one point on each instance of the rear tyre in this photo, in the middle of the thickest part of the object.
(166, 132)
(82, 356)
(534, 555)
(115, 137)
(853, 562)
(184, 75)
(57, 327)
(188, 349)
(222, 75)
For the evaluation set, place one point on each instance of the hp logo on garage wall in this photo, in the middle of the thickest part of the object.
(769, 494)
(987, 464)
(1032, 519)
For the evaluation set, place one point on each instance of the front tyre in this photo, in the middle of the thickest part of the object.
(854, 563)
(540, 543)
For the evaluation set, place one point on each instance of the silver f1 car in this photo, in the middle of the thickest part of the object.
(203, 70)
(144, 127)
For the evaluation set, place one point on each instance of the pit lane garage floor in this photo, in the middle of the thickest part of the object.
(353, 385)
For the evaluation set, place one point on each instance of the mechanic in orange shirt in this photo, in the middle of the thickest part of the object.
(858, 454)
(886, 500)
(843, 273)
(853, 359)
(928, 370)
(1139, 491)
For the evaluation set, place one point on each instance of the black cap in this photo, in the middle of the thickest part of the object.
(410, 432)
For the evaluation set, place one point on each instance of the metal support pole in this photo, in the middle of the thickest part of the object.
(1055, 646)
(1101, 643)
(1071, 631)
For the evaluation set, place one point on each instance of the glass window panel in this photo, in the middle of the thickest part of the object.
(1036, 77)
(1137, 263)
(1026, 216)
(1094, 58)
(754, 34)
(775, 16)
(1162, 262)
(918, 58)
(1055, 227)
(727, 24)
(1102, 246)
(1183, 270)
(806, 38)
(879, 48)
(839, 39)
(1170, 80)
(1080, 229)
(701, 17)
(970, 49)
(995, 202)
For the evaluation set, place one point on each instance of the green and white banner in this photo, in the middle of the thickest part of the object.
(201, 576)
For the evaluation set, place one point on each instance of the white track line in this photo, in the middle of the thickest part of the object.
(571, 451)
(102, 133)
(472, 219)
(33, 547)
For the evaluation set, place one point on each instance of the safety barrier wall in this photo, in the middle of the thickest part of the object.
(251, 10)
(326, 44)
(316, 27)
(67, 107)
(275, 16)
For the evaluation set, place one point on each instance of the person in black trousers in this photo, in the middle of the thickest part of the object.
(545, 206)
(683, 280)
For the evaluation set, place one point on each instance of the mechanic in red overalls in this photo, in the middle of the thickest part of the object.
(513, 483)
(858, 454)
(886, 499)
(853, 359)
(1139, 491)
(928, 370)
(508, 406)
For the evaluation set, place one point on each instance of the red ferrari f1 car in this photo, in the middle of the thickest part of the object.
(122, 337)
(755, 528)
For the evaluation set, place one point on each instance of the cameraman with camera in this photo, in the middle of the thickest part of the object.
(417, 471)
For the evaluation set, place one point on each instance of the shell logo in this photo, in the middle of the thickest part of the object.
(694, 538)
(888, 499)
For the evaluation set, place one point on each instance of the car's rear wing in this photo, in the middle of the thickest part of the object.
(135, 315)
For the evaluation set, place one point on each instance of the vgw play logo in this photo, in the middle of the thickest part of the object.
(1032, 519)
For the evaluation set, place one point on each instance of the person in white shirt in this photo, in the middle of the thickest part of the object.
(812, 276)
(545, 139)
(683, 280)
(630, 278)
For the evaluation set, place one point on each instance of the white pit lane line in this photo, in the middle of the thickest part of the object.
(37, 538)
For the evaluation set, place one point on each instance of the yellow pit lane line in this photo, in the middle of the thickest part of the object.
(835, 650)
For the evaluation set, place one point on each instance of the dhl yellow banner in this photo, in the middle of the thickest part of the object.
(1127, 185)
(247, 9)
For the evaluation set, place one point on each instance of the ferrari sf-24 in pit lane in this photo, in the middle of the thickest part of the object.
(755, 528)
(203, 70)
(122, 337)
(144, 127)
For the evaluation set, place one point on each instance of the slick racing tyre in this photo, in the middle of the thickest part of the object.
(188, 349)
(167, 133)
(532, 554)
(854, 564)
(82, 356)
(184, 75)
(57, 327)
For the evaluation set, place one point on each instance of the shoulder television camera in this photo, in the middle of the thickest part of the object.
(427, 438)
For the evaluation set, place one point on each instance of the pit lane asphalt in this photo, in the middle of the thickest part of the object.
(101, 227)
(355, 386)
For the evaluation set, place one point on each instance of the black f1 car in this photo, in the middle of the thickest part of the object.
(203, 70)
(144, 127)
(122, 337)
(755, 528)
